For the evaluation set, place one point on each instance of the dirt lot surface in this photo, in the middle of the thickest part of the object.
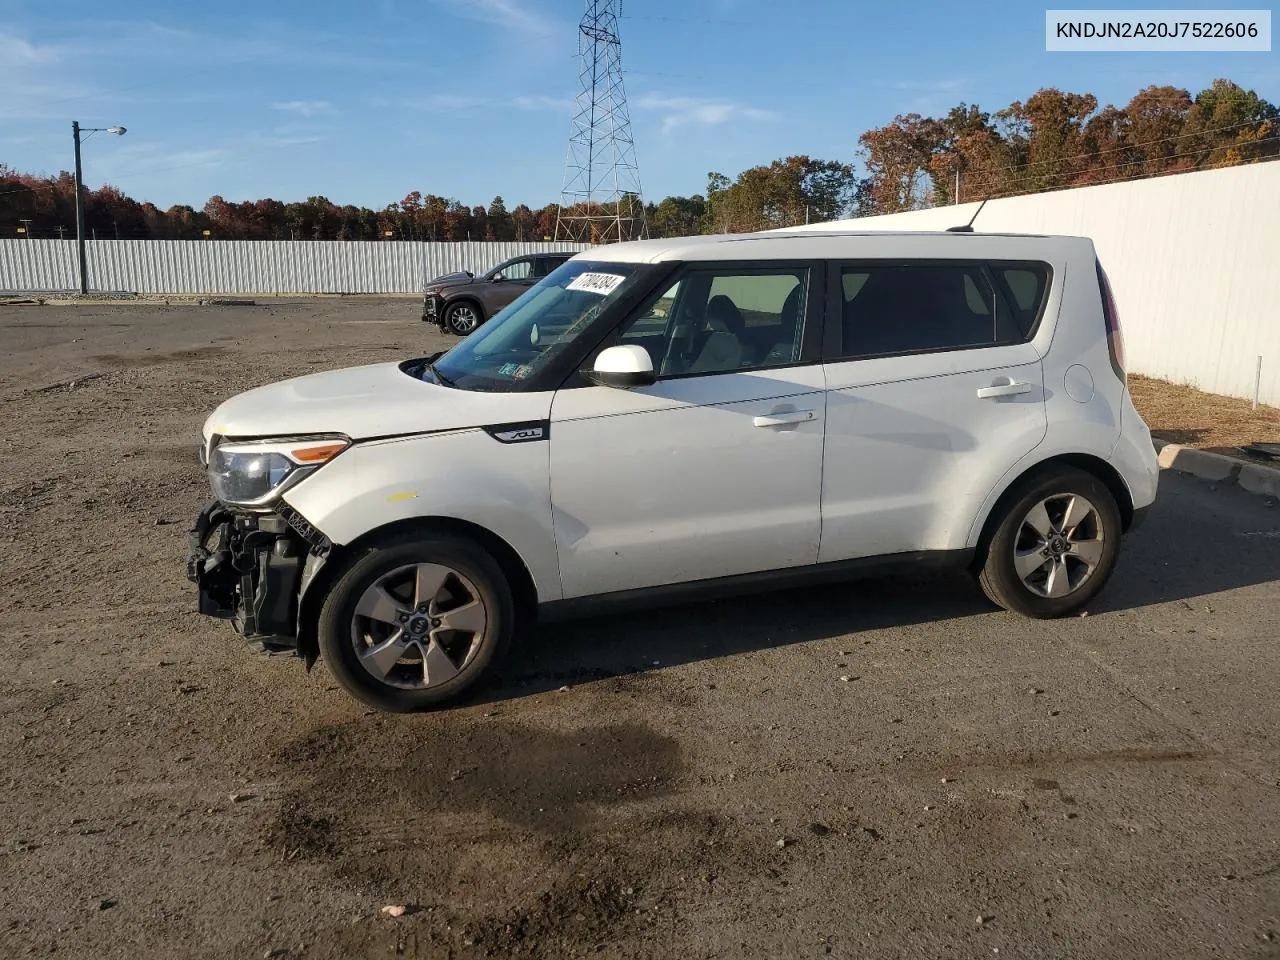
(885, 769)
(1194, 418)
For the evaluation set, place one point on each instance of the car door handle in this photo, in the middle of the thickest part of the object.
(782, 417)
(1011, 389)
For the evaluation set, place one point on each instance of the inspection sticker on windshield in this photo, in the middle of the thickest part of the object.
(601, 283)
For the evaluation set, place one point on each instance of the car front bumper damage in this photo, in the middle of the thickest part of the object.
(252, 569)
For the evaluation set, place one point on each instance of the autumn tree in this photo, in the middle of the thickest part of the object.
(795, 190)
(1227, 125)
(970, 156)
(1156, 117)
(677, 216)
(897, 157)
(522, 222)
(498, 226)
(1045, 139)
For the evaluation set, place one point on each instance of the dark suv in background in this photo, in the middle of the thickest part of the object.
(460, 302)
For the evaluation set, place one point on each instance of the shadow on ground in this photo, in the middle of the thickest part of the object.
(1195, 542)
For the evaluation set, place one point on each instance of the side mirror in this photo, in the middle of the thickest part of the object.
(623, 366)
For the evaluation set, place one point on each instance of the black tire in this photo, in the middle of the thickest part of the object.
(999, 575)
(462, 318)
(338, 638)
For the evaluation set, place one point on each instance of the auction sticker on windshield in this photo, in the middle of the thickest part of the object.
(601, 283)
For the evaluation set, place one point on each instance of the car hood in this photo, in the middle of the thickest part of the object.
(378, 400)
(451, 279)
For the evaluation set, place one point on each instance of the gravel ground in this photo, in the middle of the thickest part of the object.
(882, 769)
(1193, 418)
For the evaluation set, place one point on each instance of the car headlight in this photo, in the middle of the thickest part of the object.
(256, 473)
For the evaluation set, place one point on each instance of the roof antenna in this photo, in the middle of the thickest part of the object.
(968, 227)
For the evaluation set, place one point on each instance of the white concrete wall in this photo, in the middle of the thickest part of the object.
(248, 266)
(1194, 259)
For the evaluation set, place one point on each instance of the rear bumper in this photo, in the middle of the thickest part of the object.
(248, 569)
(1134, 458)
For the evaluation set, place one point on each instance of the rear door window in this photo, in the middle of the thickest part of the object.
(892, 308)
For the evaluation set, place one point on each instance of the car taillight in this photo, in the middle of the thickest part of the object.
(1111, 317)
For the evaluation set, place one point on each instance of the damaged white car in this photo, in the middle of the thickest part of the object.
(681, 418)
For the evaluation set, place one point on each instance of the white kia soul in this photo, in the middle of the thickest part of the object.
(682, 418)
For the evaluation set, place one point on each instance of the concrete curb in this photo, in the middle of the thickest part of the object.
(1250, 477)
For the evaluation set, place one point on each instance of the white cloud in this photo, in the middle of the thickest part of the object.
(678, 111)
(17, 52)
(932, 86)
(443, 103)
(304, 108)
(541, 101)
(155, 159)
(512, 14)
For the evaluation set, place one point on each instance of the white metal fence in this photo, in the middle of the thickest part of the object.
(248, 266)
(1194, 259)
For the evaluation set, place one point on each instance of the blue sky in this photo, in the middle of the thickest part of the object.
(364, 102)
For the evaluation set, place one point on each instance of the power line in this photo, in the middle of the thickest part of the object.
(1068, 173)
(1075, 173)
(717, 23)
(1136, 176)
(1133, 146)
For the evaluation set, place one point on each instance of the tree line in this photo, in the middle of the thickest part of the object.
(1053, 140)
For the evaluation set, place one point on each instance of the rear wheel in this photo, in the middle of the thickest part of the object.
(1055, 545)
(461, 318)
(416, 621)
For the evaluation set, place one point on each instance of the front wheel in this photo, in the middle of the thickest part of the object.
(461, 318)
(415, 621)
(1055, 545)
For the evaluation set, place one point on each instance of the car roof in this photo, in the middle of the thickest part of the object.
(827, 244)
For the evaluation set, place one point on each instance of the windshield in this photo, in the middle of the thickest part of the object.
(525, 337)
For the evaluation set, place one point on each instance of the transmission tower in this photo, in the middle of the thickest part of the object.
(600, 202)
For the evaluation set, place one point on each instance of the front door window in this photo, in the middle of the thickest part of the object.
(520, 270)
(724, 320)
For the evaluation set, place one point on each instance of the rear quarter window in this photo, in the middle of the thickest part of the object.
(1026, 287)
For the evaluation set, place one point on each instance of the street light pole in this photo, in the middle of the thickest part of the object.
(84, 272)
(75, 135)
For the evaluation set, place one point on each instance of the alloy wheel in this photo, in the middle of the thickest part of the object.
(1059, 545)
(418, 626)
(463, 319)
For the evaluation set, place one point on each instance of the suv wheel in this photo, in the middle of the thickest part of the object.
(461, 318)
(415, 621)
(1055, 545)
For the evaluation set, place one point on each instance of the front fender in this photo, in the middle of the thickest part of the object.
(464, 475)
(468, 298)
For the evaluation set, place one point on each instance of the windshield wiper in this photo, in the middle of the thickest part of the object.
(438, 375)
